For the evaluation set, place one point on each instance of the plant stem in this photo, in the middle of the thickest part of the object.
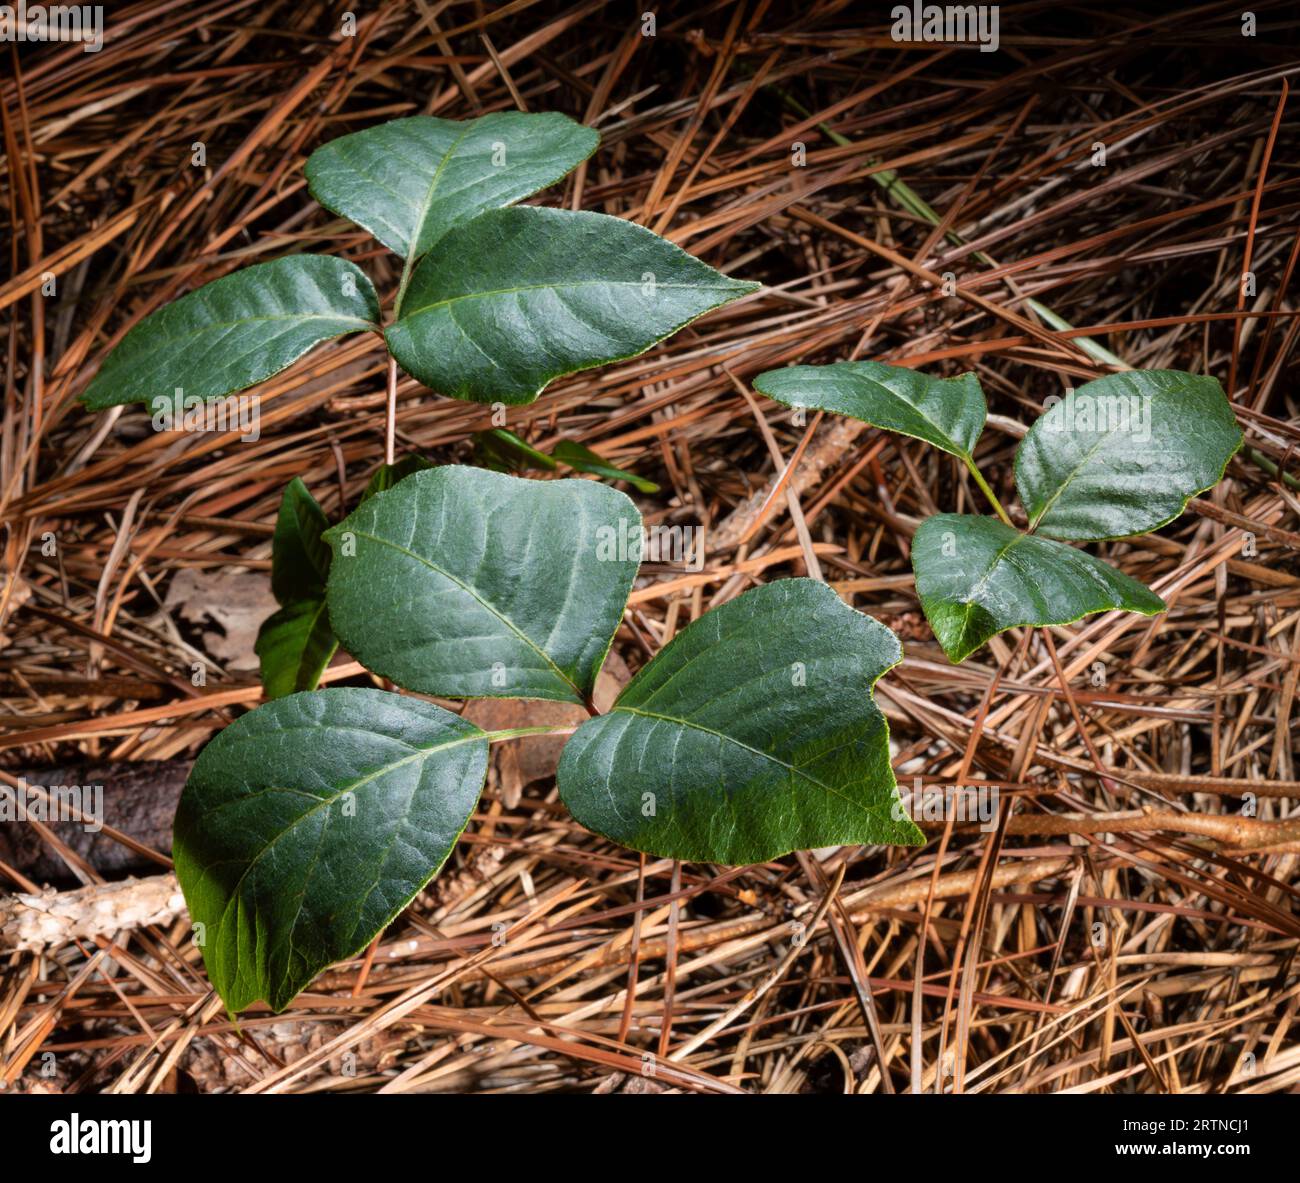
(390, 425)
(520, 732)
(1272, 469)
(984, 486)
(407, 267)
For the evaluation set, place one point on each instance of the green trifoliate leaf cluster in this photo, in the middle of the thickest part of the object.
(1115, 458)
(309, 823)
(495, 300)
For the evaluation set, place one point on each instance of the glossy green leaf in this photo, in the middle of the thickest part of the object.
(387, 475)
(294, 645)
(236, 331)
(977, 577)
(1124, 454)
(517, 297)
(583, 459)
(409, 181)
(308, 825)
(753, 733)
(465, 583)
(503, 451)
(300, 559)
(946, 412)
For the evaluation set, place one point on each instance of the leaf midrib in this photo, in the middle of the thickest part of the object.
(792, 768)
(163, 340)
(322, 802)
(1091, 452)
(422, 212)
(501, 616)
(553, 287)
(957, 449)
(971, 603)
(1055, 497)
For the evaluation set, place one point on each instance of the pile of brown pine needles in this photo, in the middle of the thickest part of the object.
(1102, 182)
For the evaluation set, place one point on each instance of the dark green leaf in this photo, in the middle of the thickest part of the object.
(753, 733)
(583, 459)
(236, 331)
(387, 475)
(300, 559)
(294, 646)
(309, 824)
(505, 303)
(1124, 454)
(409, 181)
(977, 577)
(946, 412)
(466, 583)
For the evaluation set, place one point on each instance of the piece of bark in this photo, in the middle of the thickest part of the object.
(139, 799)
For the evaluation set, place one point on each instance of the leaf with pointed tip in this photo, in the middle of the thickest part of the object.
(516, 297)
(466, 583)
(946, 412)
(1124, 454)
(236, 331)
(307, 826)
(387, 475)
(977, 577)
(582, 459)
(753, 733)
(411, 180)
(300, 560)
(294, 645)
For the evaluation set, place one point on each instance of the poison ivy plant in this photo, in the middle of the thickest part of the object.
(946, 412)
(505, 452)
(465, 583)
(1117, 457)
(493, 304)
(411, 180)
(1123, 455)
(581, 458)
(976, 576)
(308, 824)
(300, 559)
(237, 331)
